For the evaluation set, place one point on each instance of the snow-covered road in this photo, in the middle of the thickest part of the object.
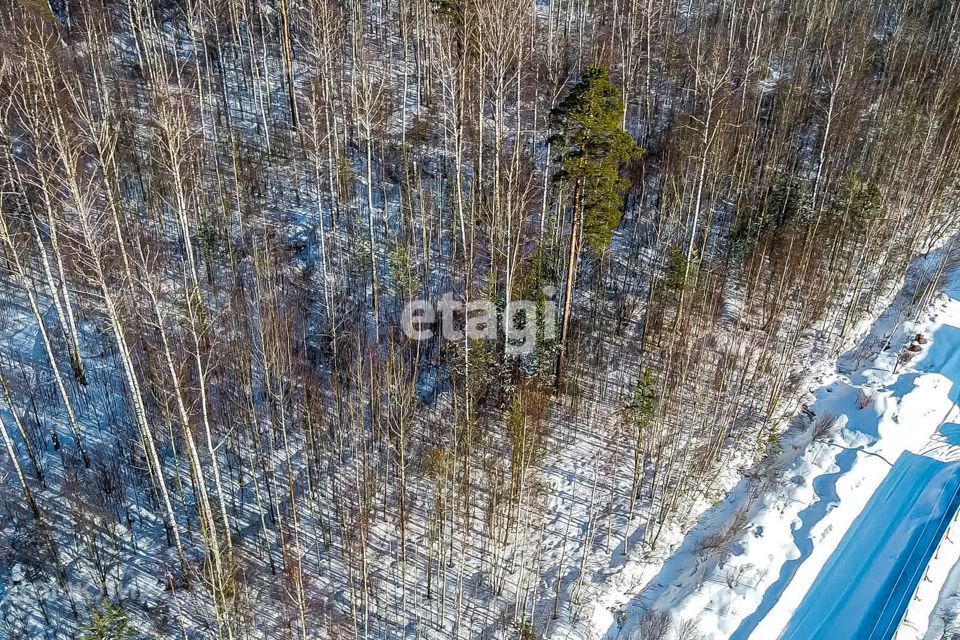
(864, 589)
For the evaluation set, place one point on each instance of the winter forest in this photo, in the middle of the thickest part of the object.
(213, 214)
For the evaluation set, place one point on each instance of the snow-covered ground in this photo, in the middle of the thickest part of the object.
(774, 550)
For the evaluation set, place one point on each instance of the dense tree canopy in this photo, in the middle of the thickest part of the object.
(213, 214)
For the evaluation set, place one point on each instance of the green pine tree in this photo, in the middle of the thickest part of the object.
(403, 272)
(642, 408)
(785, 203)
(676, 276)
(593, 148)
(109, 624)
(860, 201)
